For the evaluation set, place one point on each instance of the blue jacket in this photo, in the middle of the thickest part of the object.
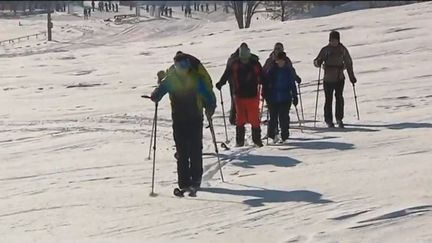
(280, 85)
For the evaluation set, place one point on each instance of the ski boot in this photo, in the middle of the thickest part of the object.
(179, 192)
(340, 124)
(240, 136)
(330, 125)
(256, 137)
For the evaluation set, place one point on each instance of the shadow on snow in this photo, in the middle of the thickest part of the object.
(247, 160)
(263, 195)
(320, 145)
(397, 126)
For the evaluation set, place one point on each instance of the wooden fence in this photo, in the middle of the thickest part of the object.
(18, 39)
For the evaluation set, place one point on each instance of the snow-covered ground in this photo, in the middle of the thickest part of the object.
(74, 164)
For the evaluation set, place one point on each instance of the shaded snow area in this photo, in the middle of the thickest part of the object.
(75, 134)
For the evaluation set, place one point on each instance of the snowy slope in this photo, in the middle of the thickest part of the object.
(74, 164)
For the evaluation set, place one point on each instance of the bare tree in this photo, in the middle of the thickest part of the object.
(282, 4)
(251, 9)
(284, 10)
(244, 16)
(238, 12)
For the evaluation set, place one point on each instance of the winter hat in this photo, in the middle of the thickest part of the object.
(178, 53)
(278, 47)
(334, 35)
(244, 45)
(244, 52)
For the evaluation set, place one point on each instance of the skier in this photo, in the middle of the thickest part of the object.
(116, 7)
(93, 5)
(278, 47)
(189, 95)
(100, 4)
(85, 14)
(336, 58)
(226, 77)
(247, 76)
(279, 91)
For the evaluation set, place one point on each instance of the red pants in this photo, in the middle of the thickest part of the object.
(247, 111)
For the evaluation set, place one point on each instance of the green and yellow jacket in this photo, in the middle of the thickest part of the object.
(189, 94)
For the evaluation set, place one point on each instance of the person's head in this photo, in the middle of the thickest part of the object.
(244, 53)
(280, 59)
(334, 38)
(278, 47)
(182, 64)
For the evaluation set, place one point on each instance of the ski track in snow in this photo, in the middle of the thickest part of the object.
(75, 135)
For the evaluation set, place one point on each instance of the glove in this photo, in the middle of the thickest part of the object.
(353, 80)
(153, 97)
(210, 111)
(219, 85)
(316, 64)
(298, 79)
(295, 101)
(161, 75)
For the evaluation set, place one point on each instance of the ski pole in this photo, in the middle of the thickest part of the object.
(152, 132)
(268, 125)
(261, 93)
(298, 118)
(355, 98)
(215, 145)
(301, 102)
(316, 104)
(262, 109)
(154, 150)
(151, 140)
(223, 114)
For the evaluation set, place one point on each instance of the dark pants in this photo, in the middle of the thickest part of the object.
(188, 140)
(337, 89)
(279, 116)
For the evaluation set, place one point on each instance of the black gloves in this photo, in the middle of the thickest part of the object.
(295, 101)
(316, 63)
(161, 75)
(298, 79)
(353, 80)
(219, 85)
